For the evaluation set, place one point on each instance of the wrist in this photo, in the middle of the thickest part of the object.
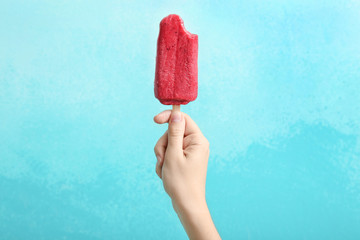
(190, 206)
(196, 220)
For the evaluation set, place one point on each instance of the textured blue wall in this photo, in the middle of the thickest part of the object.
(279, 101)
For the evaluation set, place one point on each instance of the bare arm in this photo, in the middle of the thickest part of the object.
(197, 221)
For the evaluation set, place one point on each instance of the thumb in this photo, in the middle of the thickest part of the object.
(176, 132)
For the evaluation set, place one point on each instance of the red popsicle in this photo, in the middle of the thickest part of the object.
(176, 74)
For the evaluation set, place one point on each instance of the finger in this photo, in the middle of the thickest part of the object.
(176, 132)
(160, 146)
(159, 150)
(193, 139)
(163, 117)
(190, 126)
(158, 170)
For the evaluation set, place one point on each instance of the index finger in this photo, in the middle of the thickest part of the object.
(190, 126)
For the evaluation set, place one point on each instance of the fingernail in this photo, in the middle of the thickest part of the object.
(176, 116)
(158, 158)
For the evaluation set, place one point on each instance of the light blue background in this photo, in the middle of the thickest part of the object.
(278, 100)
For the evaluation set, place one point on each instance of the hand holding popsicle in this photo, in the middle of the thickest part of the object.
(182, 155)
(182, 152)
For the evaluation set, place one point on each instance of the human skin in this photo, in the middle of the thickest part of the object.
(182, 156)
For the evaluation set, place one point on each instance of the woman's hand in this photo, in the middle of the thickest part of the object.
(182, 156)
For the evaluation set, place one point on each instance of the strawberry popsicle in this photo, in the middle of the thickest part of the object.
(176, 73)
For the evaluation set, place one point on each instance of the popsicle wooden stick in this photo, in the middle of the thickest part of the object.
(176, 108)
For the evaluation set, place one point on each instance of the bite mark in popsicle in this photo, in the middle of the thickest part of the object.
(176, 73)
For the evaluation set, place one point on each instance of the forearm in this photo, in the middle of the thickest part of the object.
(197, 221)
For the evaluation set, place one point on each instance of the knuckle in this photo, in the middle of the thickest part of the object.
(157, 149)
(157, 171)
(196, 139)
(176, 131)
